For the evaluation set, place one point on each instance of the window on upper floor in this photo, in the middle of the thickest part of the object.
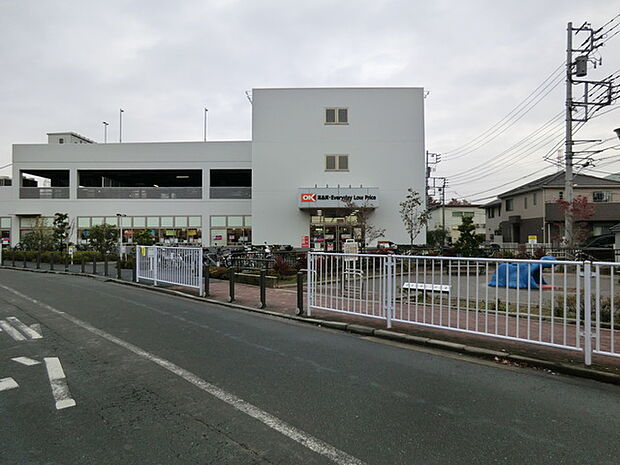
(509, 205)
(534, 198)
(491, 212)
(525, 202)
(561, 195)
(336, 115)
(336, 163)
(601, 196)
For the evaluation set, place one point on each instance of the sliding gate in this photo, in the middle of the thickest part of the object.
(180, 266)
(567, 304)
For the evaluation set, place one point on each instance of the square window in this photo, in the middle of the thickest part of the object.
(330, 162)
(167, 222)
(336, 116)
(152, 221)
(600, 196)
(5, 223)
(139, 222)
(247, 220)
(180, 221)
(343, 162)
(235, 221)
(330, 115)
(126, 221)
(112, 220)
(336, 163)
(195, 221)
(96, 220)
(83, 222)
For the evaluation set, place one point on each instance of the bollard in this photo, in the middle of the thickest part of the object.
(263, 289)
(83, 264)
(14, 259)
(231, 285)
(134, 274)
(66, 263)
(94, 264)
(24, 256)
(51, 262)
(39, 261)
(300, 293)
(105, 264)
(205, 273)
(118, 268)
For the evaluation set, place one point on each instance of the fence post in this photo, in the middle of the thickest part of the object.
(134, 266)
(83, 264)
(155, 265)
(300, 293)
(205, 273)
(231, 285)
(118, 268)
(105, 264)
(14, 258)
(66, 263)
(390, 282)
(95, 263)
(263, 289)
(24, 257)
(310, 282)
(587, 310)
(39, 260)
(51, 262)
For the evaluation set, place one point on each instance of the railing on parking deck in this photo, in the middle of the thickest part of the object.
(566, 304)
(181, 266)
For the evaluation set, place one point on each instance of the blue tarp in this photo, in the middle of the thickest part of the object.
(519, 275)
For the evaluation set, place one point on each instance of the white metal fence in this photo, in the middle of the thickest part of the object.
(181, 266)
(566, 304)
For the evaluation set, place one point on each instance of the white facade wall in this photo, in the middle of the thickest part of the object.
(126, 156)
(384, 139)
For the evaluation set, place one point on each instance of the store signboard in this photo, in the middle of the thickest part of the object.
(337, 197)
(305, 242)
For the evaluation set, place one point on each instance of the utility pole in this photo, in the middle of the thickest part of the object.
(596, 94)
(568, 147)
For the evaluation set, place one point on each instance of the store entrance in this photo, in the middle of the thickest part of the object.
(328, 233)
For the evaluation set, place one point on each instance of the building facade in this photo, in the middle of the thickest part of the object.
(450, 217)
(533, 211)
(316, 157)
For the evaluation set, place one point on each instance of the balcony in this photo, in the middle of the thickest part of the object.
(43, 192)
(230, 192)
(160, 193)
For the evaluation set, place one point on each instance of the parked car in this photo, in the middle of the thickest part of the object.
(604, 240)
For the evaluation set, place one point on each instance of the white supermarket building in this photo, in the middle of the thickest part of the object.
(310, 149)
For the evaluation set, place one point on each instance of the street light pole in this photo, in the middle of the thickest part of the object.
(205, 125)
(105, 132)
(120, 125)
(120, 217)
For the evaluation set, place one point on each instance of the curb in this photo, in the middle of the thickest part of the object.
(363, 330)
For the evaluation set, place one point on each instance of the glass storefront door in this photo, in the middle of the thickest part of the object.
(329, 233)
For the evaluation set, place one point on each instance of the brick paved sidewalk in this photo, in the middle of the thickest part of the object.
(284, 300)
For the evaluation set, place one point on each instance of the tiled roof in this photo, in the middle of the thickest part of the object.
(557, 180)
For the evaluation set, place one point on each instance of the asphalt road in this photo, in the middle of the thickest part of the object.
(152, 379)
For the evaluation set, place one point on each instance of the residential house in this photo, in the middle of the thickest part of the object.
(449, 217)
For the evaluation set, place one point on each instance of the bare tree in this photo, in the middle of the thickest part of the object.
(363, 210)
(413, 214)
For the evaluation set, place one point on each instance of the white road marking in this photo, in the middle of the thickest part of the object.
(8, 383)
(58, 382)
(25, 361)
(11, 331)
(37, 328)
(28, 331)
(273, 422)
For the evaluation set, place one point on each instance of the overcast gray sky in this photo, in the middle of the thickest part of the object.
(69, 65)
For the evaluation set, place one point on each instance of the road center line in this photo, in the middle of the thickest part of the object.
(296, 434)
(58, 382)
(31, 333)
(11, 331)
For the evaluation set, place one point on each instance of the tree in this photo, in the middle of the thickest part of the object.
(103, 238)
(370, 232)
(61, 230)
(40, 238)
(437, 237)
(413, 214)
(468, 242)
(581, 210)
(143, 237)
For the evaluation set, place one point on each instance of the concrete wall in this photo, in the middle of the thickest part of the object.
(175, 155)
(384, 140)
